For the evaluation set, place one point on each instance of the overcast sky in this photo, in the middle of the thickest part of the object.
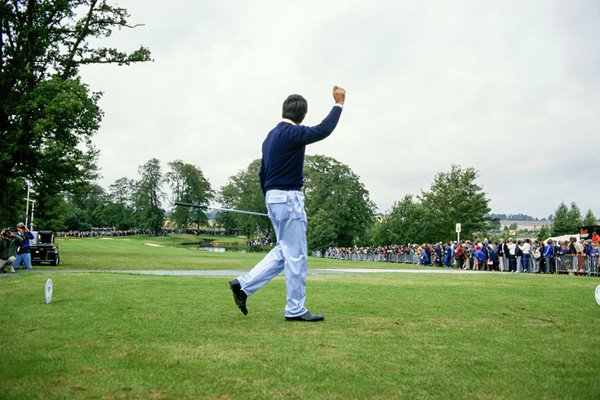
(510, 88)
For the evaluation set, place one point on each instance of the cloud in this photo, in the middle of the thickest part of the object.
(508, 88)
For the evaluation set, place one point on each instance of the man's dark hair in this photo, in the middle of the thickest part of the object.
(295, 108)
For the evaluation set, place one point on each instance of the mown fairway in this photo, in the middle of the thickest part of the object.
(402, 335)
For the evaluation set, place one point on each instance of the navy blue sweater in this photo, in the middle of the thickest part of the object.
(282, 165)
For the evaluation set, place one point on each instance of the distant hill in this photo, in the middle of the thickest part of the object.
(525, 225)
(514, 217)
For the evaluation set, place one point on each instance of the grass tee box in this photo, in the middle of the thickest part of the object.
(386, 336)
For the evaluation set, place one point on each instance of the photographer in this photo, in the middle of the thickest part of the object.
(23, 251)
(8, 248)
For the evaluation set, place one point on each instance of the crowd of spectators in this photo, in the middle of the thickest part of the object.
(575, 256)
(103, 232)
(259, 242)
(580, 257)
(112, 232)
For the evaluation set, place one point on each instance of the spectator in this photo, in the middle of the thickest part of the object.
(469, 249)
(500, 253)
(460, 256)
(525, 248)
(447, 255)
(506, 252)
(579, 248)
(426, 255)
(8, 248)
(480, 258)
(512, 255)
(493, 258)
(572, 251)
(560, 255)
(594, 256)
(438, 255)
(542, 258)
(519, 255)
(548, 256)
(535, 258)
(23, 251)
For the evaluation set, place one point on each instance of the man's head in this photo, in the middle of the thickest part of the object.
(20, 226)
(295, 108)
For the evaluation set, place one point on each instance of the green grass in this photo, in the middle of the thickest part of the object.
(166, 253)
(388, 336)
(145, 253)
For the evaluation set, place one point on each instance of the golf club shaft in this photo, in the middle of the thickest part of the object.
(179, 203)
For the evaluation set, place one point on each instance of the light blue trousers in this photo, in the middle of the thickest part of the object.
(286, 211)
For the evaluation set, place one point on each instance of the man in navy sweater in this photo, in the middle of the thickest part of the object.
(281, 179)
(24, 251)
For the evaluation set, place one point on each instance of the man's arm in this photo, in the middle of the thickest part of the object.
(308, 135)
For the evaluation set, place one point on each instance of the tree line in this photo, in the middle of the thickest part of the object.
(338, 204)
(567, 221)
(136, 203)
(340, 210)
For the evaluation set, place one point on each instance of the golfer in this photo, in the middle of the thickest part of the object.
(281, 180)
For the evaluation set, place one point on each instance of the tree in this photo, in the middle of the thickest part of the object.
(243, 192)
(404, 224)
(453, 198)
(113, 215)
(337, 203)
(84, 202)
(566, 220)
(47, 115)
(189, 186)
(122, 191)
(322, 232)
(494, 223)
(575, 219)
(543, 234)
(118, 210)
(57, 154)
(148, 197)
(590, 219)
(560, 222)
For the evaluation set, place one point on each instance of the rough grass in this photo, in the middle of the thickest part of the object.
(388, 336)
